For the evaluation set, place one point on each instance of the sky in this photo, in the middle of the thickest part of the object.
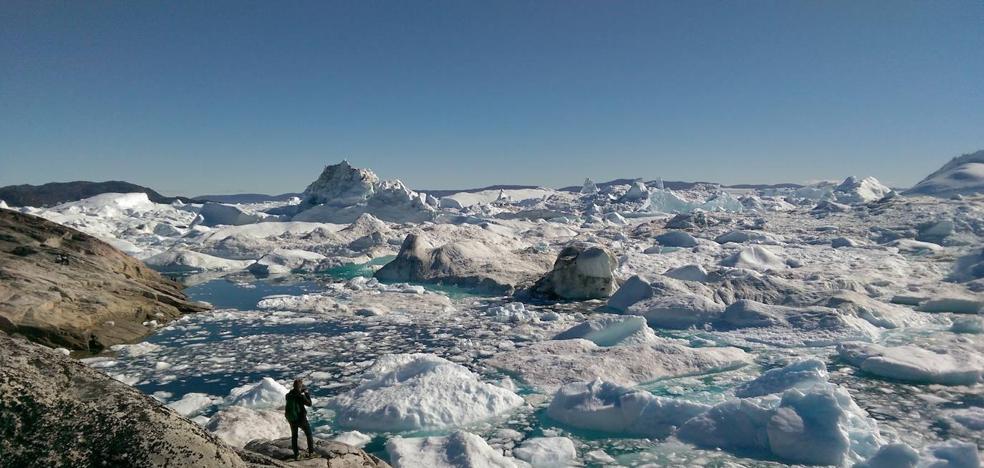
(192, 97)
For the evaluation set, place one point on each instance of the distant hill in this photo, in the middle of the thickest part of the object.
(55, 193)
(246, 198)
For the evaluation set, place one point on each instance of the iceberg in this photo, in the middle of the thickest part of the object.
(608, 407)
(406, 392)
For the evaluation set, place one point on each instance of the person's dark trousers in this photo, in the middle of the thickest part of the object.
(303, 424)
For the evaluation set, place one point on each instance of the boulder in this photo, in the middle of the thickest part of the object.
(582, 271)
(61, 287)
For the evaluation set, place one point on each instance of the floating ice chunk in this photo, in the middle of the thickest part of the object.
(512, 312)
(676, 239)
(136, 349)
(215, 214)
(892, 456)
(740, 236)
(283, 261)
(182, 260)
(860, 190)
(819, 426)
(914, 246)
(353, 438)
(690, 272)
(799, 374)
(237, 425)
(402, 392)
(457, 450)
(952, 454)
(972, 418)
(548, 452)
(267, 393)
(550, 364)
(968, 325)
(955, 304)
(192, 403)
(607, 407)
(610, 331)
(315, 302)
(756, 258)
(958, 365)
(948, 454)
(633, 290)
(677, 311)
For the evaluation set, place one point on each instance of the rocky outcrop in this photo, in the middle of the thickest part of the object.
(55, 411)
(582, 271)
(465, 263)
(61, 287)
(330, 454)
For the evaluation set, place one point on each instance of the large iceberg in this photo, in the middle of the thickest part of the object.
(343, 193)
(404, 392)
(820, 425)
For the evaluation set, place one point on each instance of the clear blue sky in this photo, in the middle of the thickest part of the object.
(219, 97)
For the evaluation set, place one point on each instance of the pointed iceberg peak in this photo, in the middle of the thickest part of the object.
(341, 185)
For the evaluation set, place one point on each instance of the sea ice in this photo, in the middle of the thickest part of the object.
(550, 364)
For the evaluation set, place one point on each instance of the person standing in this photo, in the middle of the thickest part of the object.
(297, 399)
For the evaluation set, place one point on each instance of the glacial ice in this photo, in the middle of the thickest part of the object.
(958, 365)
(237, 425)
(607, 407)
(406, 392)
(820, 425)
(459, 449)
(547, 452)
(267, 393)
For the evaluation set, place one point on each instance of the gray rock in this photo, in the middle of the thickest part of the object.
(55, 411)
(329, 453)
(582, 271)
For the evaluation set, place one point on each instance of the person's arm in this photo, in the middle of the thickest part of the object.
(306, 398)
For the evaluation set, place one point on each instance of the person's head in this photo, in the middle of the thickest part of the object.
(298, 384)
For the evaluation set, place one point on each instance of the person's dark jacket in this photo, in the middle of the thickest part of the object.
(303, 398)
